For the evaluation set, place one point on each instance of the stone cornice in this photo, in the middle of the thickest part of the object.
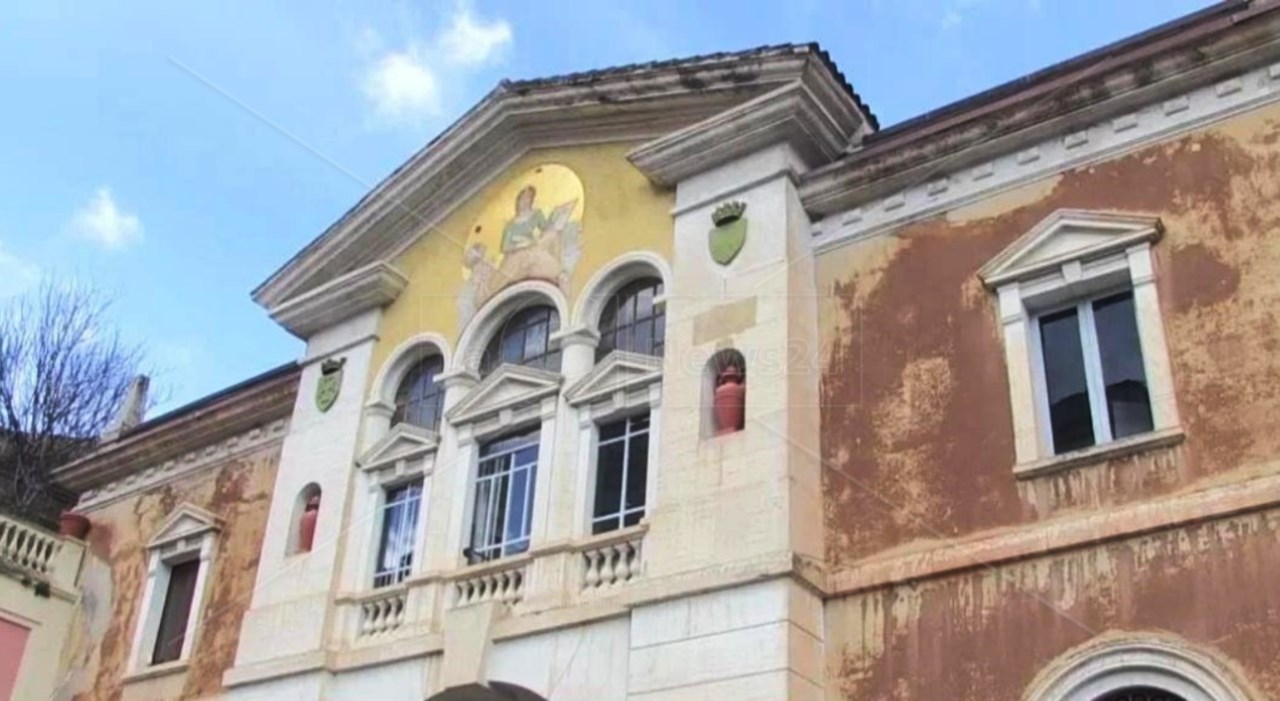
(629, 104)
(933, 152)
(374, 285)
(188, 439)
(811, 115)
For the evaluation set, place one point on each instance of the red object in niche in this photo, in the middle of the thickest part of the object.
(307, 524)
(73, 525)
(730, 396)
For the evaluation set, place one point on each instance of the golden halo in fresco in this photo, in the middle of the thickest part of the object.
(529, 229)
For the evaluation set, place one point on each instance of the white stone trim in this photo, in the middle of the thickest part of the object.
(404, 450)
(1160, 662)
(1068, 257)
(612, 277)
(190, 532)
(1098, 142)
(183, 465)
(375, 285)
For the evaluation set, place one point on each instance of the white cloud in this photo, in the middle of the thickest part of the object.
(469, 42)
(951, 19)
(16, 274)
(104, 223)
(402, 88)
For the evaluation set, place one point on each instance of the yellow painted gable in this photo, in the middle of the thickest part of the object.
(590, 197)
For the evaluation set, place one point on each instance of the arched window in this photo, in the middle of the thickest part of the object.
(632, 321)
(306, 511)
(420, 398)
(525, 339)
(1144, 693)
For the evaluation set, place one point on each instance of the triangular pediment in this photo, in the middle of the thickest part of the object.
(187, 521)
(618, 372)
(508, 387)
(1068, 235)
(405, 442)
(637, 104)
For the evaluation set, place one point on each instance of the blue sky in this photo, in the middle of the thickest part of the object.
(141, 144)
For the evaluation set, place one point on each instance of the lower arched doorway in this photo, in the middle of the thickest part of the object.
(493, 691)
(1141, 693)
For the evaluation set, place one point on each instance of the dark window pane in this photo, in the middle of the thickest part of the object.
(176, 613)
(637, 471)
(524, 340)
(612, 430)
(632, 518)
(419, 398)
(630, 321)
(609, 478)
(1069, 414)
(1122, 371)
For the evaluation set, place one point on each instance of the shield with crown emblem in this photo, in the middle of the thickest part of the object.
(329, 384)
(730, 233)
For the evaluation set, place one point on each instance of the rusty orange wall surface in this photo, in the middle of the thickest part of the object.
(985, 635)
(238, 491)
(916, 427)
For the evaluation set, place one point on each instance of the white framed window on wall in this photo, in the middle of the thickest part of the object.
(1091, 382)
(505, 482)
(180, 559)
(621, 473)
(1084, 340)
(397, 539)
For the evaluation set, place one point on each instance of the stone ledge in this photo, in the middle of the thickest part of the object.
(1100, 453)
(1048, 537)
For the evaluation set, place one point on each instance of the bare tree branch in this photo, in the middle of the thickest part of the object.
(63, 373)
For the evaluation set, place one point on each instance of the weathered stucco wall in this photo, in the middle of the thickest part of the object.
(917, 435)
(238, 491)
(986, 634)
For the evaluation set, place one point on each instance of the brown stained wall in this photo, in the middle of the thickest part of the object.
(238, 491)
(985, 635)
(916, 429)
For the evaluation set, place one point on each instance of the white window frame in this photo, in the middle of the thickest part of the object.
(190, 533)
(531, 496)
(1074, 257)
(1099, 412)
(415, 560)
(407, 454)
(626, 437)
(622, 385)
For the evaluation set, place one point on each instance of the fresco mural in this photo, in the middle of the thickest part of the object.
(529, 229)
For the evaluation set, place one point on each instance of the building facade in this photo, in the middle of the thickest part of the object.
(686, 381)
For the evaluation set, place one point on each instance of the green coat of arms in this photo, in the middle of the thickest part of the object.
(730, 234)
(330, 383)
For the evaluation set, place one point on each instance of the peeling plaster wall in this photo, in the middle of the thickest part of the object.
(917, 435)
(918, 438)
(238, 491)
(984, 635)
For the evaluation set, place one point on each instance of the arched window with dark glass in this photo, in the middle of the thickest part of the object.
(633, 320)
(1143, 693)
(420, 397)
(525, 339)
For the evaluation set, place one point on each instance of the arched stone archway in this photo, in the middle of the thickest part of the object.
(493, 691)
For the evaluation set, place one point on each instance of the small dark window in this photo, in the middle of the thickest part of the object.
(622, 472)
(1143, 693)
(399, 528)
(1094, 377)
(503, 513)
(420, 398)
(172, 632)
(525, 339)
(632, 321)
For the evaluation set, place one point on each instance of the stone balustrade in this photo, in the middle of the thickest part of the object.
(40, 554)
(381, 612)
(502, 581)
(612, 560)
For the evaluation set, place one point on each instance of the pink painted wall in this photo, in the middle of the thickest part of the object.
(13, 639)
